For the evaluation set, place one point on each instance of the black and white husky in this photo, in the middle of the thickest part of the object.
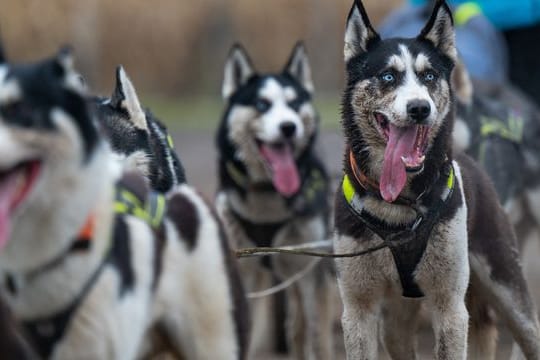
(138, 138)
(93, 264)
(447, 238)
(273, 190)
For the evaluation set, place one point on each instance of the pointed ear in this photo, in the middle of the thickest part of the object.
(2, 54)
(64, 61)
(298, 67)
(64, 68)
(124, 97)
(238, 69)
(359, 34)
(440, 29)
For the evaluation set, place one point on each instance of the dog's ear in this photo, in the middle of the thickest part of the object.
(2, 54)
(298, 67)
(238, 69)
(64, 68)
(440, 29)
(359, 34)
(124, 97)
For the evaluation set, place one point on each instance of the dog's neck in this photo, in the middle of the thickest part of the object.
(417, 184)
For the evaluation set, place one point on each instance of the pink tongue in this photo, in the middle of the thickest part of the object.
(8, 192)
(394, 175)
(284, 172)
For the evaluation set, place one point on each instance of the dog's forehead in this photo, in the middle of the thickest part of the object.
(275, 87)
(400, 54)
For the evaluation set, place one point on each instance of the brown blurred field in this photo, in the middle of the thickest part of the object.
(177, 47)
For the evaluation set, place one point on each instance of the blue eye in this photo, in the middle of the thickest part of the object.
(262, 105)
(429, 76)
(388, 78)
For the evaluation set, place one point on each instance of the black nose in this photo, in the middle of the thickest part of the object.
(288, 128)
(418, 110)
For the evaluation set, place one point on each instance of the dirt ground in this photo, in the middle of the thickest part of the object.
(198, 154)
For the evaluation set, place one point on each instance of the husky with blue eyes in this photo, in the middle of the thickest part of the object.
(445, 238)
(93, 263)
(273, 191)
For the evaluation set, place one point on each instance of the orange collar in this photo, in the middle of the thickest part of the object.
(87, 231)
(367, 183)
(370, 185)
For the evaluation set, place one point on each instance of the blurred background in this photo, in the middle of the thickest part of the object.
(174, 50)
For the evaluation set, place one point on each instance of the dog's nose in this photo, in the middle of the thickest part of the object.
(418, 110)
(288, 128)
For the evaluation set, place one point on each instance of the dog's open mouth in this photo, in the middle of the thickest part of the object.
(280, 162)
(16, 184)
(405, 152)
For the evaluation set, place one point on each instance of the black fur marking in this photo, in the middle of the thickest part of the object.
(184, 216)
(2, 53)
(162, 176)
(120, 256)
(43, 89)
(159, 246)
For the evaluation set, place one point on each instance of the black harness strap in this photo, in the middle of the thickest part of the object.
(407, 243)
(133, 198)
(44, 333)
(261, 234)
(310, 198)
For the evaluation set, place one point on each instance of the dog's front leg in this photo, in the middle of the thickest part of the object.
(450, 323)
(359, 321)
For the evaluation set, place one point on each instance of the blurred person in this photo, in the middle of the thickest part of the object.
(495, 38)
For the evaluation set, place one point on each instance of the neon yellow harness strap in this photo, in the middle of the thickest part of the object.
(348, 189)
(349, 192)
(151, 211)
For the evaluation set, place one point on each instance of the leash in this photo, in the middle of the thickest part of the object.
(304, 250)
(285, 284)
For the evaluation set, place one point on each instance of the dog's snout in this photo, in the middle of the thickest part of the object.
(288, 128)
(418, 110)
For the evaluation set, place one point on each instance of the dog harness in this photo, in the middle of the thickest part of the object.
(130, 199)
(496, 142)
(306, 202)
(407, 243)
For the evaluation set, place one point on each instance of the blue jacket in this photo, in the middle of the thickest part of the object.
(504, 14)
(479, 44)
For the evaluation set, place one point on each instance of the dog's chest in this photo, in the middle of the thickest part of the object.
(259, 206)
(410, 251)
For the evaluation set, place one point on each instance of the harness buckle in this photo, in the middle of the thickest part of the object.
(417, 222)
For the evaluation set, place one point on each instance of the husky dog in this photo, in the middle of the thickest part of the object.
(139, 139)
(445, 235)
(273, 189)
(499, 126)
(92, 262)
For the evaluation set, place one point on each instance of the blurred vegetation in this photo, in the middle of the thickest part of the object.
(174, 50)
